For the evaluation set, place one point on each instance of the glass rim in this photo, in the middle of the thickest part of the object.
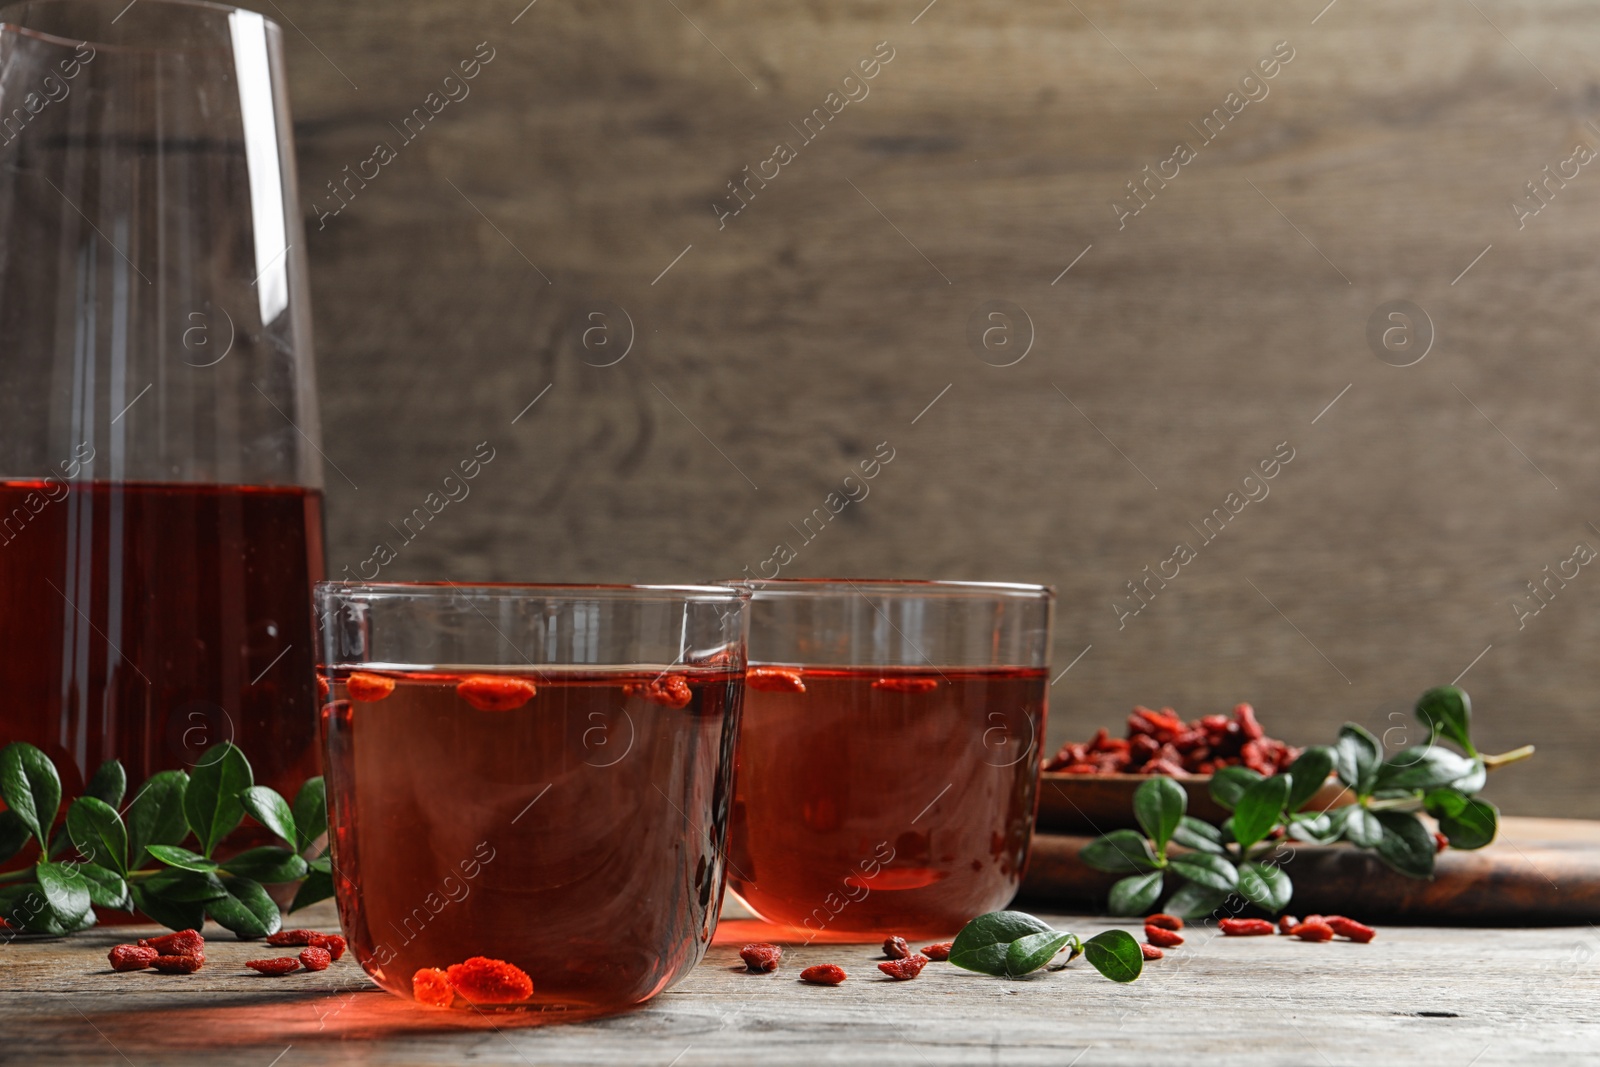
(893, 587)
(24, 30)
(531, 591)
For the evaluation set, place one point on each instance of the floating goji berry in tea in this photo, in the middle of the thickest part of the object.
(275, 966)
(490, 692)
(1309, 931)
(295, 937)
(1151, 952)
(177, 964)
(903, 970)
(1287, 923)
(182, 943)
(896, 948)
(131, 957)
(313, 958)
(824, 974)
(1163, 920)
(322, 687)
(368, 687)
(1355, 931)
(941, 951)
(761, 957)
(1245, 927)
(907, 685)
(486, 981)
(332, 942)
(431, 986)
(1162, 937)
(774, 680)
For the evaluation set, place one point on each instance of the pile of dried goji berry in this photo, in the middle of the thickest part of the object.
(1313, 928)
(185, 953)
(1159, 742)
(900, 964)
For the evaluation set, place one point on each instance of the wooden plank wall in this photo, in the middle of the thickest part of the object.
(580, 174)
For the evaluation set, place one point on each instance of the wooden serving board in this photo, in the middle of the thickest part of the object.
(1537, 871)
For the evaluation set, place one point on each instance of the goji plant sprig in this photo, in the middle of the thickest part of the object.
(136, 858)
(1217, 862)
(1010, 944)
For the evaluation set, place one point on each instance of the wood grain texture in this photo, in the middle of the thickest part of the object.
(1177, 353)
(1531, 995)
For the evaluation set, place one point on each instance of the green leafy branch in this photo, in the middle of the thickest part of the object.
(1010, 944)
(122, 860)
(1217, 862)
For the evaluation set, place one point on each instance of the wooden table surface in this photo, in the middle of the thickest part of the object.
(1416, 995)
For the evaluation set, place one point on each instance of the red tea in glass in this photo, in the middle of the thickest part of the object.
(566, 823)
(897, 797)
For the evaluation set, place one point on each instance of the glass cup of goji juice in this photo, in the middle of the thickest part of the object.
(888, 767)
(529, 786)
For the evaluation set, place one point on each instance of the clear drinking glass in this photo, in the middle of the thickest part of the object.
(539, 776)
(888, 768)
(160, 502)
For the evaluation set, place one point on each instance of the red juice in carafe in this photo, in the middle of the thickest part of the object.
(569, 822)
(885, 800)
(149, 621)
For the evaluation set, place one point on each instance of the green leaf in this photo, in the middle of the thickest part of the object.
(246, 909)
(983, 943)
(211, 804)
(1361, 827)
(185, 887)
(30, 787)
(323, 864)
(1260, 809)
(1206, 869)
(1229, 783)
(98, 834)
(1159, 804)
(1446, 710)
(1135, 894)
(1426, 768)
(65, 890)
(1356, 757)
(1201, 836)
(1308, 773)
(14, 833)
(267, 864)
(310, 813)
(270, 810)
(1115, 954)
(1266, 886)
(318, 886)
(1318, 829)
(1028, 954)
(156, 817)
(1406, 845)
(1196, 901)
(1473, 780)
(174, 856)
(1467, 822)
(110, 783)
(173, 914)
(106, 887)
(1118, 852)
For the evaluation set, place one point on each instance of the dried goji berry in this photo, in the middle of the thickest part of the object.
(295, 937)
(131, 957)
(1163, 920)
(182, 943)
(275, 966)
(774, 680)
(1245, 927)
(492, 692)
(177, 964)
(903, 970)
(907, 685)
(1355, 931)
(322, 686)
(1313, 932)
(1246, 715)
(1163, 938)
(368, 687)
(896, 948)
(1287, 923)
(1440, 842)
(486, 981)
(824, 974)
(431, 986)
(314, 958)
(1151, 952)
(941, 951)
(761, 957)
(332, 942)
(669, 690)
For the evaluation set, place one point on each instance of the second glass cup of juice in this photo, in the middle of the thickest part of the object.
(529, 786)
(888, 767)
